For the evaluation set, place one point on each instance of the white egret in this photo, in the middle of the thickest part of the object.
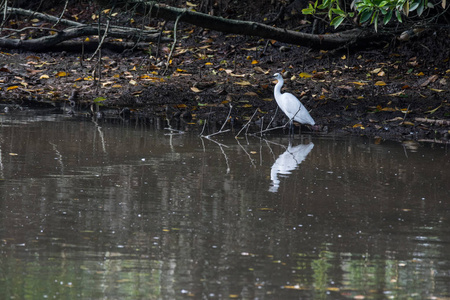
(290, 105)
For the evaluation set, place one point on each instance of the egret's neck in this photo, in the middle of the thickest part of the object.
(277, 90)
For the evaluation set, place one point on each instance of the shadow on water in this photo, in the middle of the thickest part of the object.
(98, 209)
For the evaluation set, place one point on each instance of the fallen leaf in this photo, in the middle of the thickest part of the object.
(437, 90)
(319, 75)
(9, 88)
(13, 154)
(260, 70)
(433, 110)
(116, 86)
(397, 94)
(33, 72)
(408, 123)
(304, 75)
(243, 83)
(255, 62)
(358, 83)
(429, 80)
(358, 126)
(253, 94)
(132, 82)
(375, 71)
(195, 90)
(380, 83)
(395, 119)
(99, 99)
(61, 74)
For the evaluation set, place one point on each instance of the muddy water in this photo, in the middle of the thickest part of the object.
(122, 210)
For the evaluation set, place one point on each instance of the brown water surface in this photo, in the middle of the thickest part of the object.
(122, 210)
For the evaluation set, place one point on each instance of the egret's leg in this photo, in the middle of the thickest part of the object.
(291, 128)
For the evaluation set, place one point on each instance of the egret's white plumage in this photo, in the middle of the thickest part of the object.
(290, 105)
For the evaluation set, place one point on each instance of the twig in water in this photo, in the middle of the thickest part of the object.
(248, 154)
(215, 133)
(204, 125)
(229, 113)
(171, 129)
(246, 124)
(221, 128)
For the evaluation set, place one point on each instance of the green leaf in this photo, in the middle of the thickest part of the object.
(387, 17)
(399, 16)
(99, 99)
(338, 11)
(375, 21)
(337, 21)
(365, 15)
(414, 5)
(308, 11)
(420, 9)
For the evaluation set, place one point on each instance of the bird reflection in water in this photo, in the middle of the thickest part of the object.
(287, 162)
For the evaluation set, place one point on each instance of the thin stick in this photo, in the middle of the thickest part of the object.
(221, 129)
(100, 44)
(246, 124)
(229, 113)
(273, 118)
(215, 133)
(62, 13)
(174, 41)
(204, 125)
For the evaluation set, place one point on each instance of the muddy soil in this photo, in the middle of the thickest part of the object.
(399, 92)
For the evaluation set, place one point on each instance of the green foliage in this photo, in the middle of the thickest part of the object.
(373, 11)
